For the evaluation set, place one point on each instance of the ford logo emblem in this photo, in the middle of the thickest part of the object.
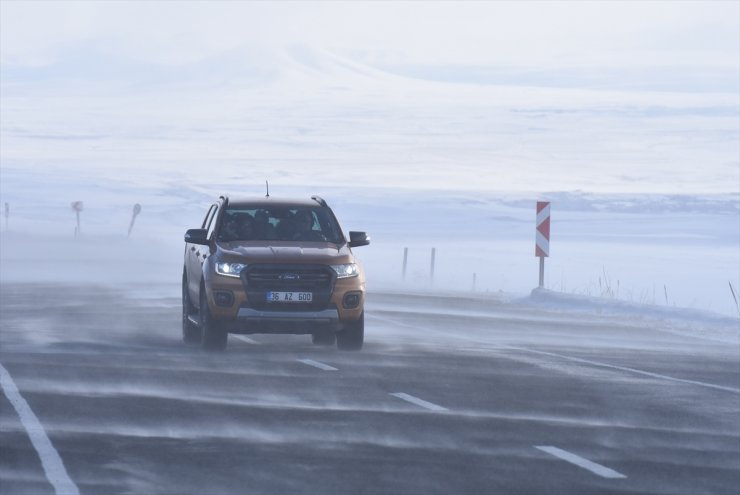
(290, 276)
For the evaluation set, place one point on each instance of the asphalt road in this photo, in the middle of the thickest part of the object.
(449, 396)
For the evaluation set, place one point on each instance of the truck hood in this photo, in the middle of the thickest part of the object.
(277, 252)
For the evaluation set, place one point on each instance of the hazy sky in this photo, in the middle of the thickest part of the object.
(524, 33)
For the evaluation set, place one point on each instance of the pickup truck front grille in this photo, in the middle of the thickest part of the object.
(287, 277)
(260, 279)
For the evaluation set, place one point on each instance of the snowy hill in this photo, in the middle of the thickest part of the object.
(419, 163)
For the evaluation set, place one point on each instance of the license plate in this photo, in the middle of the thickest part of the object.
(290, 297)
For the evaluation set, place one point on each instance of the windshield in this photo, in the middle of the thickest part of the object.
(279, 224)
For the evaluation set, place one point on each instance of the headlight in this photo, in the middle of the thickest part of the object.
(346, 271)
(230, 269)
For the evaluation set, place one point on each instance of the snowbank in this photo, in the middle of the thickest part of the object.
(682, 321)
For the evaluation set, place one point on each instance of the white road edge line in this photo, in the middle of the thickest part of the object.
(580, 360)
(50, 460)
(579, 461)
(631, 370)
(247, 339)
(318, 365)
(418, 401)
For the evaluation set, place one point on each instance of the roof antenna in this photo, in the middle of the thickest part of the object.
(267, 186)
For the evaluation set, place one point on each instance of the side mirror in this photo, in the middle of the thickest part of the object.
(358, 239)
(197, 236)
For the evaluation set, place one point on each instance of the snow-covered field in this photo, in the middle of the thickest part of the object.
(644, 183)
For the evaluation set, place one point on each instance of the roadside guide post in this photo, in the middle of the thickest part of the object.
(137, 210)
(542, 236)
(405, 261)
(431, 265)
(77, 208)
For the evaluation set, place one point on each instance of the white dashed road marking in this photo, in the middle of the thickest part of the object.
(418, 401)
(247, 339)
(579, 461)
(50, 460)
(318, 365)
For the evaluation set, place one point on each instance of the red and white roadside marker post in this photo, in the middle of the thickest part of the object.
(542, 239)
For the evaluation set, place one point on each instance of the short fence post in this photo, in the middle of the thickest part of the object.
(405, 262)
(431, 266)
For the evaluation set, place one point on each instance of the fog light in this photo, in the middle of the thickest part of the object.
(351, 300)
(223, 298)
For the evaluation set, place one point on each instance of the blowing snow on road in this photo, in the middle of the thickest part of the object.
(434, 127)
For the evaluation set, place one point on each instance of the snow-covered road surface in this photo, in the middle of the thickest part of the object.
(131, 409)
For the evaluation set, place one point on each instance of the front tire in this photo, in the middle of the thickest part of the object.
(213, 335)
(190, 331)
(353, 335)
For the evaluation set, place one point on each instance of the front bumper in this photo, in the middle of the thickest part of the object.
(325, 316)
(251, 320)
